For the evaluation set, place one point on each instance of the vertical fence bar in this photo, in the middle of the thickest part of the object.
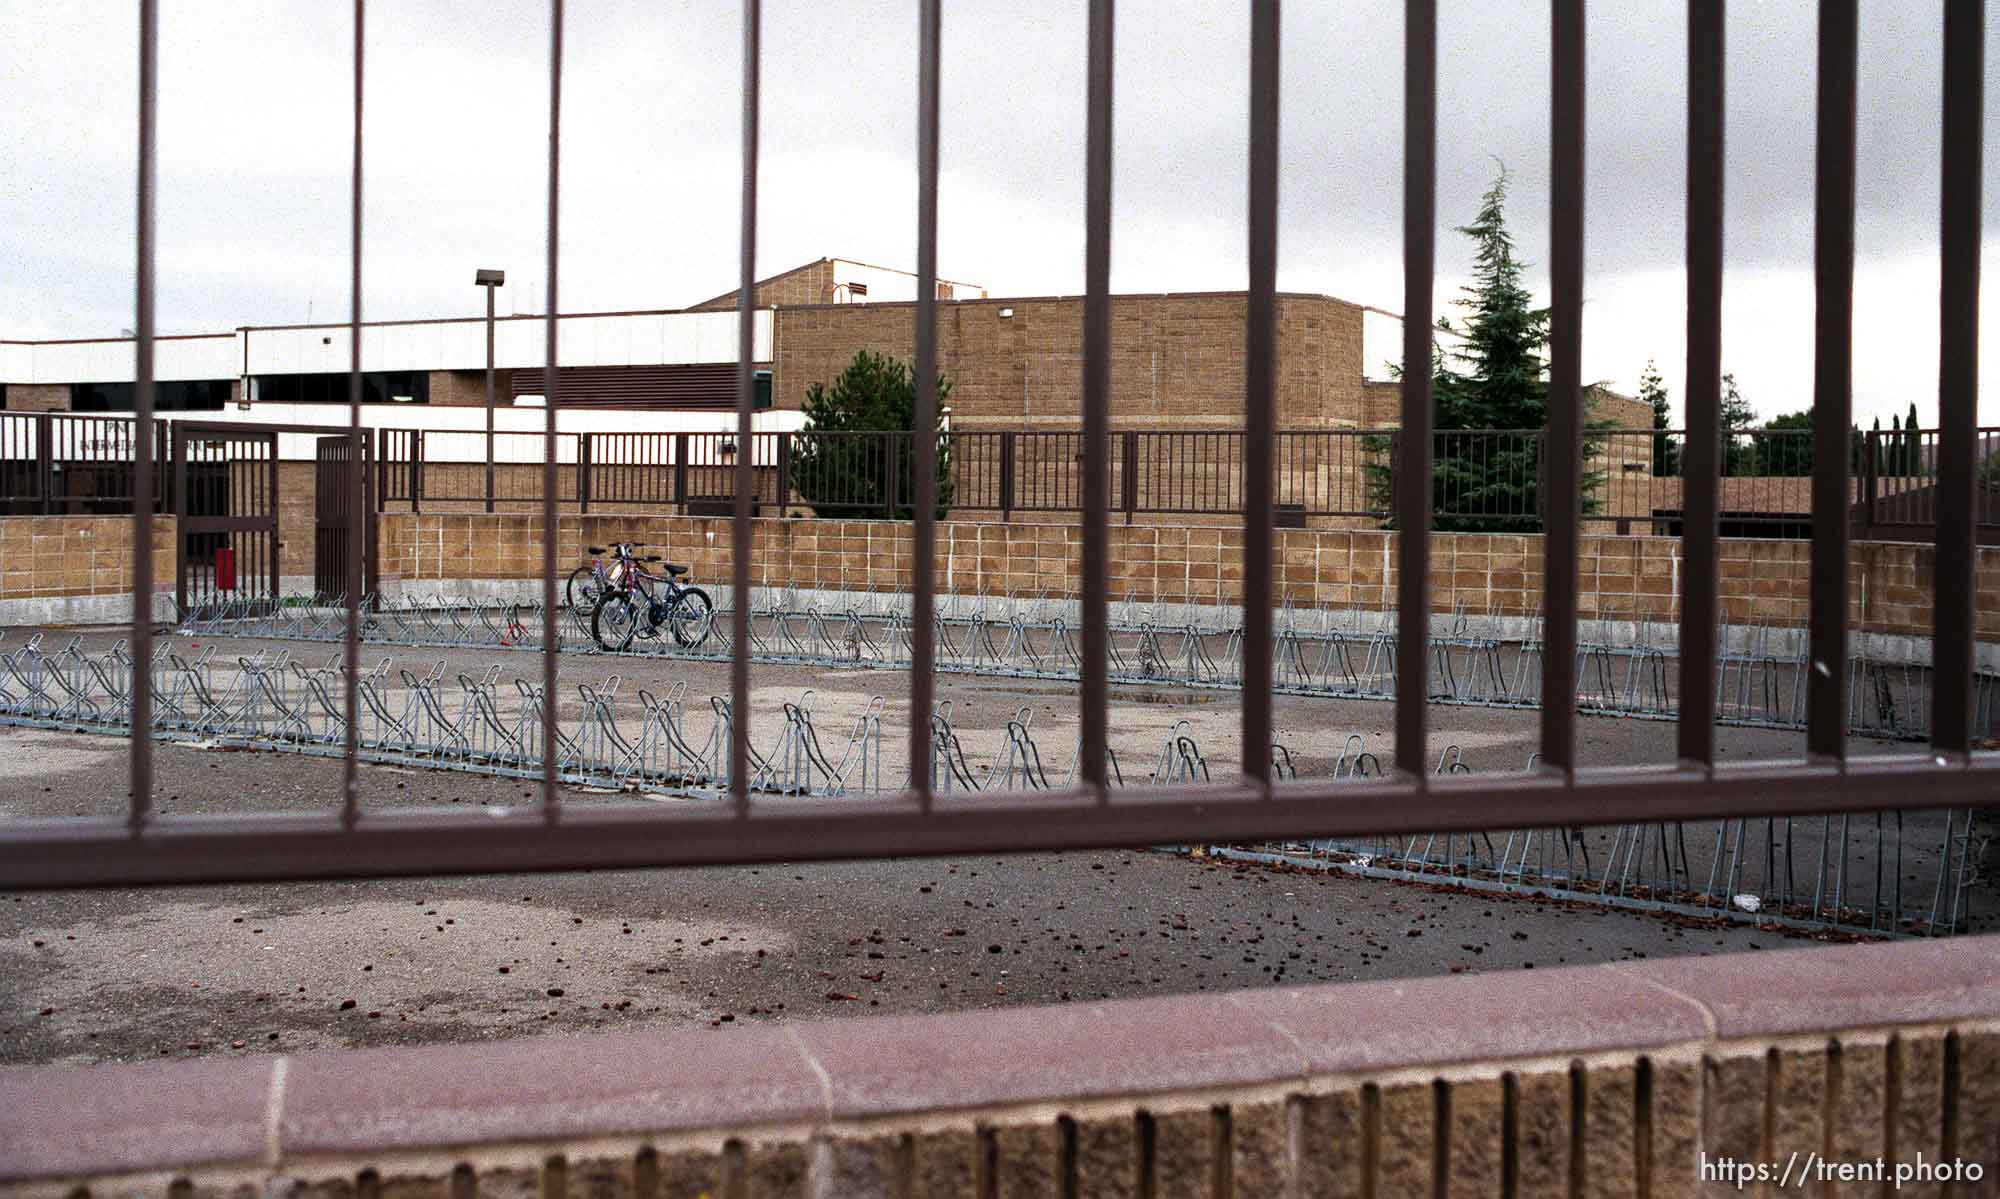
(1413, 474)
(1833, 361)
(1958, 375)
(1563, 454)
(551, 805)
(923, 423)
(1096, 501)
(142, 415)
(489, 396)
(746, 309)
(1260, 383)
(350, 763)
(1701, 459)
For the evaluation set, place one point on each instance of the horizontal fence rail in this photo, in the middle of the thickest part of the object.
(1482, 480)
(1557, 481)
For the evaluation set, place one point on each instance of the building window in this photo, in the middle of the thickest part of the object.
(377, 387)
(199, 395)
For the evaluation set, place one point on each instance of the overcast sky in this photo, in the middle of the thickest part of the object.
(254, 125)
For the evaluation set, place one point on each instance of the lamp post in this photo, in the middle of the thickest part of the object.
(489, 279)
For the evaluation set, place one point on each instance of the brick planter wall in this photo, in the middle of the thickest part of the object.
(1623, 578)
(1616, 1079)
(75, 569)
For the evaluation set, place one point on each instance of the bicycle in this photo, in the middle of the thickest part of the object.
(589, 583)
(640, 603)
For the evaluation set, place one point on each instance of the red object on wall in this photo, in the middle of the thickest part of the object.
(225, 568)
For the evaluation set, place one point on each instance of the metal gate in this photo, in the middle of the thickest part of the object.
(334, 485)
(225, 487)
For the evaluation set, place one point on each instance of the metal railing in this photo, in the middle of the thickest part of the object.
(58, 463)
(1259, 804)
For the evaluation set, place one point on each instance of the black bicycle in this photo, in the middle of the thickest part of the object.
(637, 603)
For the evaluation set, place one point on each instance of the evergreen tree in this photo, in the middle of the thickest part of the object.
(1788, 449)
(846, 462)
(1913, 445)
(1666, 451)
(1895, 457)
(1875, 447)
(1739, 453)
(1495, 377)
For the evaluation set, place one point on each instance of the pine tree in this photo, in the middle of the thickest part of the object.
(1913, 447)
(1739, 454)
(847, 461)
(1653, 392)
(1495, 377)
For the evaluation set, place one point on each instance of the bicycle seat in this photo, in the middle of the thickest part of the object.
(597, 549)
(675, 568)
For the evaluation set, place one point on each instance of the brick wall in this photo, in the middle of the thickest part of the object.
(809, 284)
(38, 397)
(1616, 1079)
(1622, 578)
(1177, 360)
(468, 388)
(45, 556)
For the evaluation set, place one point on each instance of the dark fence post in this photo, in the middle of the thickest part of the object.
(1869, 480)
(583, 468)
(681, 471)
(892, 488)
(45, 473)
(1131, 472)
(784, 467)
(1006, 475)
(416, 470)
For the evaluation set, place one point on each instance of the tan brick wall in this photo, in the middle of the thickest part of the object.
(76, 555)
(1177, 360)
(38, 397)
(809, 284)
(1622, 578)
(467, 388)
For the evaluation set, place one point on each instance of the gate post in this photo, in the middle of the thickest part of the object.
(784, 472)
(583, 465)
(45, 474)
(1131, 472)
(681, 471)
(1007, 475)
(180, 520)
(416, 471)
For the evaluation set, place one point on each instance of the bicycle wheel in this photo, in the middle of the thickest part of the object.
(581, 591)
(614, 622)
(687, 619)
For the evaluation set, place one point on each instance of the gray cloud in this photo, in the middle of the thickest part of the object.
(254, 155)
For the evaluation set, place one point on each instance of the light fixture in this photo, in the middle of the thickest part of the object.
(485, 277)
(1006, 313)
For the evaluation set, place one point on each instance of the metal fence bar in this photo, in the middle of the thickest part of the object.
(923, 425)
(141, 805)
(1260, 375)
(1952, 633)
(350, 771)
(739, 666)
(289, 845)
(1097, 403)
(1833, 368)
(1562, 460)
(1701, 452)
(1413, 478)
(551, 802)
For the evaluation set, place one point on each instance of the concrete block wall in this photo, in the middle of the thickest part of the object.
(77, 569)
(1177, 360)
(1650, 1078)
(1764, 583)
